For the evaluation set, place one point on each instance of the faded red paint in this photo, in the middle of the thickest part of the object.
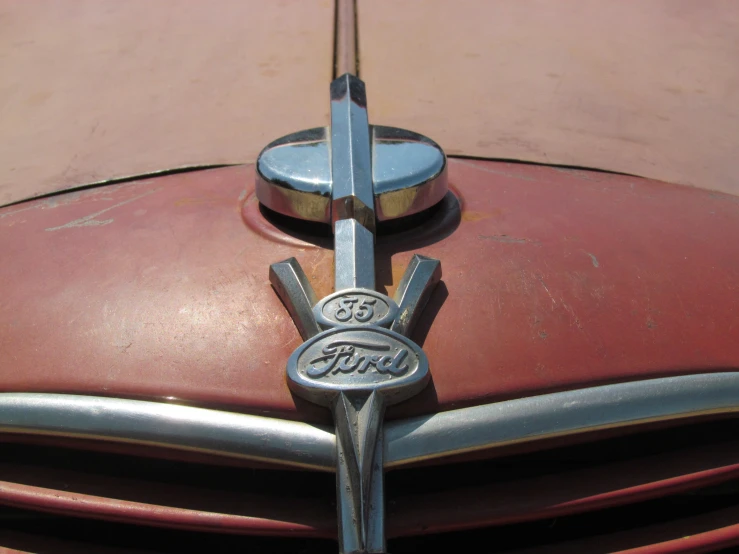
(97, 90)
(594, 84)
(297, 519)
(706, 533)
(553, 279)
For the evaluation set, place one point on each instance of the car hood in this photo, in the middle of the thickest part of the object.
(553, 279)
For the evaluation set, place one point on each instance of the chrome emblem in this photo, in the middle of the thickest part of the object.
(357, 357)
(355, 307)
(361, 359)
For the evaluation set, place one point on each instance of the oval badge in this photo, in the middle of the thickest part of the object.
(355, 307)
(357, 358)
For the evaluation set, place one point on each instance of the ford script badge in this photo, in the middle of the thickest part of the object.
(359, 359)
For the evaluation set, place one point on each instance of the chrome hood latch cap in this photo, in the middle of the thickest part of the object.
(296, 174)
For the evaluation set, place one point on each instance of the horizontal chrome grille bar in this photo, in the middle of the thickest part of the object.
(559, 414)
(250, 437)
(294, 444)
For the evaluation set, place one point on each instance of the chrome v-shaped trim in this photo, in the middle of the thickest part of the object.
(313, 447)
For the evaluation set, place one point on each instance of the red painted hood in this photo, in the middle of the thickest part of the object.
(552, 279)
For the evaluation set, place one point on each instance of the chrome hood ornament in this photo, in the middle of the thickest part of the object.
(357, 357)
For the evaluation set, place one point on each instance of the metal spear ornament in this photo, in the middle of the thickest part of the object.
(357, 358)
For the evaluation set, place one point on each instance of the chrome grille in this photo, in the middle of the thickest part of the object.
(530, 500)
(565, 456)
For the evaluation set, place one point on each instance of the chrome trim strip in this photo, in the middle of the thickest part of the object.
(557, 414)
(301, 445)
(250, 437)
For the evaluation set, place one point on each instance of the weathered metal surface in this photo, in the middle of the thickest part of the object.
(560, 279)
(648, 88)
(95, 90)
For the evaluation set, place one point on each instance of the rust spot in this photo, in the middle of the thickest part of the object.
(397, 270)
(469, 217)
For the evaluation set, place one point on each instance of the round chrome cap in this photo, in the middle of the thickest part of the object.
(409, 173)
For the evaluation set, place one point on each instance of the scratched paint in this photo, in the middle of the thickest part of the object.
(507, 239)
(593, 259)
(90, 221)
